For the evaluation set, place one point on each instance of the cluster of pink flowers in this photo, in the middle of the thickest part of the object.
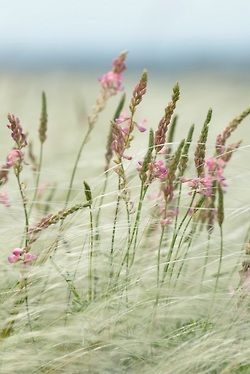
(13, 159)
(155, 170)
(214, 168)
(112, 80)
(122, 130)
(18, 254)
(125, 123)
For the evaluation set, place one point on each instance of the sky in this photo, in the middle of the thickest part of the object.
(149, 27)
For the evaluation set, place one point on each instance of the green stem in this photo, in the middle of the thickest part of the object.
(91, 271)
(165, 270)
(37, 179)
(130, 239)
(84, 142)
(190, 239)
(113, 232)
(206, 261)
(100, 205)
(137, 221)
(26, 230)
(220, 261)
(158, 266)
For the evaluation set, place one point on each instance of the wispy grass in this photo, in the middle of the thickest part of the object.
(143, 268)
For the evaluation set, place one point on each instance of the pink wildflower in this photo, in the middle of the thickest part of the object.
(112, 80)
(215, 168)
(127, 125)
(4, 199)
(213, 172)
(202, 185)
(15, 255)
(141, 126)
(29, 257)
(18, 254)
(157, 169)
(14, 157)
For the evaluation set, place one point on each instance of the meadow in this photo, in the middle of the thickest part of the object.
(132, 255)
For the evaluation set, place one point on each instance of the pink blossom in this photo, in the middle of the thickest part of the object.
(111, 81)
(213, 172)
(29, 257)
(215, 168)
(123, 117)
(14, 157)
(157, 169)
(141, 125)
(202, 185)
(127, 125)
(15, 255)
(4, 199)
(18, 254)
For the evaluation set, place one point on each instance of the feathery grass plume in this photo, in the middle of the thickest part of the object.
(232, 126)
(160, 133)
(43, 120)
(171, 134)
(220, 214)
(109, 150)
(88, 193)
(52, 219)
(200, 152)
(220, 219)
(184, 156)
(229, 150)
(148, 158)
(168, 184)
(139, 90)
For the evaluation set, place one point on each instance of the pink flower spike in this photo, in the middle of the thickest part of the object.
(29, 257)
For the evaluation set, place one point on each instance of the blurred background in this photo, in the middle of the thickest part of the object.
(62, 47)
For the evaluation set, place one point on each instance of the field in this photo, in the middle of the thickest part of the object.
(113, 288)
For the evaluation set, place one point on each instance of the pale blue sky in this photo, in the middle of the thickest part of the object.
(159, 26)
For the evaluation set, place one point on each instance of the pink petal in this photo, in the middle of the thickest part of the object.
(12, 259)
